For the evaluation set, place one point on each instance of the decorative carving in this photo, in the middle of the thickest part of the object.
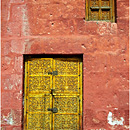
(39, 83)
(94, 3)
(60, 65)
(66, 104)
(66, 66)
(39, 121)
(105, 15)
(66, 83)
(105, 3)
(38, 104)
(72, 67)
(66, 122)
(94, 15)
(40, 66)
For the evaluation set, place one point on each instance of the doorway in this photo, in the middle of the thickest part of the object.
(53, 94)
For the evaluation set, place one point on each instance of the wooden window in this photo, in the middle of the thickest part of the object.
(100, 10)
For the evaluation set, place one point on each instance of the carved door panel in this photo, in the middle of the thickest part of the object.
(53, 94)
(67, 94)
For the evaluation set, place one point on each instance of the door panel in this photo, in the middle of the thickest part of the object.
(66, 84)
(66, 122)
(39, 103)
(66, 66)
(39, 121)
(40, 84)
(67, 80)
(40, 66)
(66, 104)
(53, 83)
(67, 92)
(38, 116)
(37, 94)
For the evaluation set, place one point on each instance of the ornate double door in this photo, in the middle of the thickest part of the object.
(53, 94)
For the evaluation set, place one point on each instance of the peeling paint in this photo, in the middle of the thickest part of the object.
(11, 121)
(8, 119)
(83, 46)
(126, 126)
(113, 121)
(8, 18)
(25, 28)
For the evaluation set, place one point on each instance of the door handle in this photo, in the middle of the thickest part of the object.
(54, 110)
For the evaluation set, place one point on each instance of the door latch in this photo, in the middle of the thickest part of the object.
(54, 110)
(53, 73)
(52, 91)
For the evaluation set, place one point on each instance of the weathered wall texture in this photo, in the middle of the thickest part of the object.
(58, 27)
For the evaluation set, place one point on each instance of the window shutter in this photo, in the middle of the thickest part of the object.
(100, 10)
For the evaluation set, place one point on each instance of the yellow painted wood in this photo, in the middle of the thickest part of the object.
(25, 96)
(81, 94)
(96, 12)
(66, 97)
(100, 11)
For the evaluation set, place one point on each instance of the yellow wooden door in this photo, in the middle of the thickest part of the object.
(53, 94)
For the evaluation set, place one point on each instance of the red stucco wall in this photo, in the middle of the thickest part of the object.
(58, 27)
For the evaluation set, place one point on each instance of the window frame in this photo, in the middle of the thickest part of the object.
(112, 11)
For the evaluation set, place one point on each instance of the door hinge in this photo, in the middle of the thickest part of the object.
(53, 73)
